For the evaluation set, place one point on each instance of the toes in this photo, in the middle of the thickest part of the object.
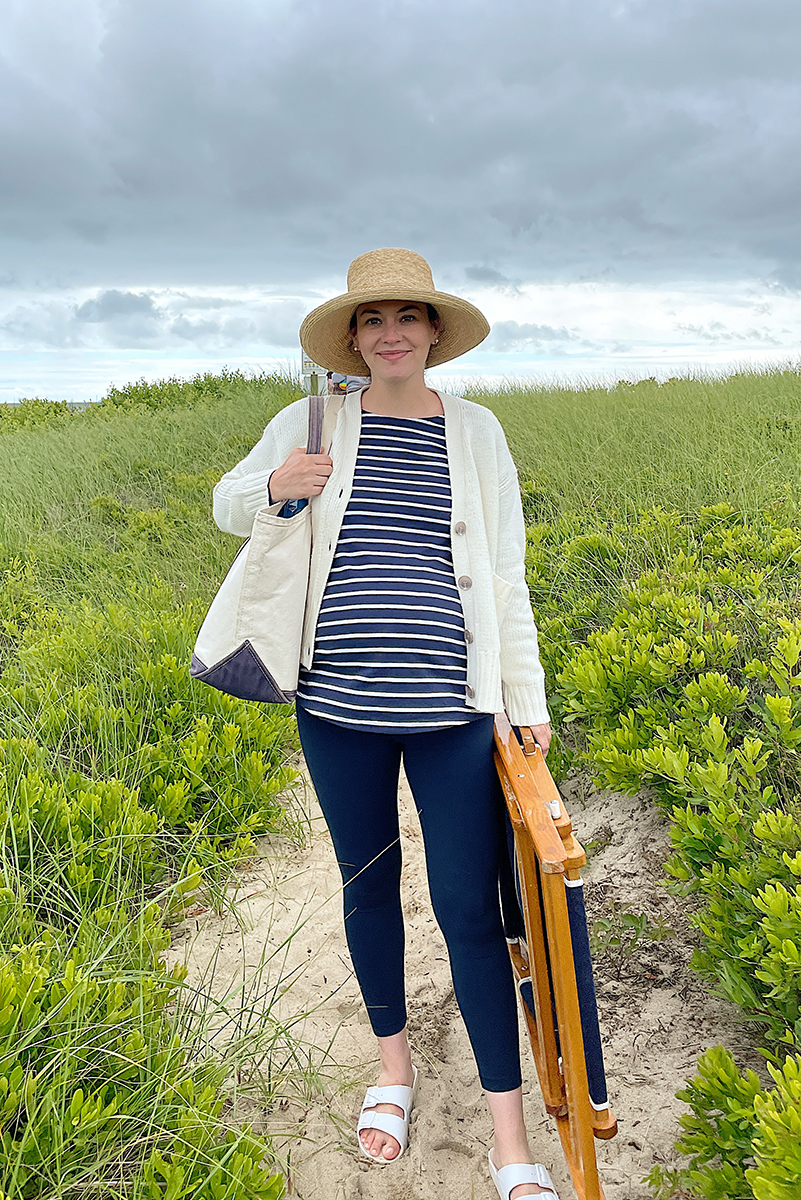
(376, 1143)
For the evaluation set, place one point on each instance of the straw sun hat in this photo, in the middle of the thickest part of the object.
(388, 275)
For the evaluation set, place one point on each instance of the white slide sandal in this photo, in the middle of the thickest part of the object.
(516, 1173)
(397, 1127)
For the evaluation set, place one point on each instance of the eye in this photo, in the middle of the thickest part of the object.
(410, 316)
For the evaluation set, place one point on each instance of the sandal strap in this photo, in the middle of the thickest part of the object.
(399, 1095)
(396, 1127)
(516, 1173)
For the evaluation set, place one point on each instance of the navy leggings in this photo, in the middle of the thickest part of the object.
(457, 796)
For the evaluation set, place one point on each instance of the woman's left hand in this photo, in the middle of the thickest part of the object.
(542, 736)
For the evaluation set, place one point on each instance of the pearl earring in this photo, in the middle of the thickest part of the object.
(436, 341)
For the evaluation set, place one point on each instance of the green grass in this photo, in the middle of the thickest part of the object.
(683, 444)
(157, 461)
(126, 787)
(126, 790)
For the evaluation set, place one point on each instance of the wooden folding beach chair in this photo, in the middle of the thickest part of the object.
(549, 949)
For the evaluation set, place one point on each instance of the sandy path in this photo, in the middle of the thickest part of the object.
(656, 1016)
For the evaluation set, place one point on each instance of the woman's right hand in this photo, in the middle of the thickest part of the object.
(301, 476)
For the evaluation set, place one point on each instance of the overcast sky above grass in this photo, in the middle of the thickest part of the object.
(618, 185)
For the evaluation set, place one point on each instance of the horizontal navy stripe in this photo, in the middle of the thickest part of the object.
(390, 649)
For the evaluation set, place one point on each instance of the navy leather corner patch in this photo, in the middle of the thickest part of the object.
(241, 674)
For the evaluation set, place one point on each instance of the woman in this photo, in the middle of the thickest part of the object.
(418, 630)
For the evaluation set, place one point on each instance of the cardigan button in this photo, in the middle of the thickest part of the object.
(469, 692)
(459, 527)
(468, 637)
(464, 582)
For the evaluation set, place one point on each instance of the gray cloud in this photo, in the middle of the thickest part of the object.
(485, 275)
(113, 305)
(717, 334)
(239, 143)
(116, 319)
(509, 335)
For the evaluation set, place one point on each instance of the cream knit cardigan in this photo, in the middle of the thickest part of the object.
(488, 542)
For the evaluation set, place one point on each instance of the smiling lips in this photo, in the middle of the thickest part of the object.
(392, 355)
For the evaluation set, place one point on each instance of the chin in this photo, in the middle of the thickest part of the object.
(399, 370)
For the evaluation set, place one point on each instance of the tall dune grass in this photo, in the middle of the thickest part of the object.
(125, 791)
(683, 444)
(125, 787)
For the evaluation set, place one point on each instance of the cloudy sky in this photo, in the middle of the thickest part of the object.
(617, 184)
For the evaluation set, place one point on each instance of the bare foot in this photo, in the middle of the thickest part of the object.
(375, 1141)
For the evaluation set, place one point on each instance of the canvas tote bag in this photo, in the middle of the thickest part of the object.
(249, 643)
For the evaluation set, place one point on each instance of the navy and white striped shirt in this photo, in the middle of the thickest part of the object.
(389, 654)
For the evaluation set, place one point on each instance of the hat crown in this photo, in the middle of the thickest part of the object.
(385, 275)
(400, 271)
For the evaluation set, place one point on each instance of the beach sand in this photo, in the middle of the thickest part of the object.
(282, 939)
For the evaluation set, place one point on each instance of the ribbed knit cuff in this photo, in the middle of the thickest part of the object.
(237, 502)
(526, 704)
(251, 492)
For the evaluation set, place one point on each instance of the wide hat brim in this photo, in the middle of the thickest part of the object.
(325, 332)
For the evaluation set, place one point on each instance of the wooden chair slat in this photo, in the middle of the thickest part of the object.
(547, 854)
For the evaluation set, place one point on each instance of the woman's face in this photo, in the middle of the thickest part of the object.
(394, 338)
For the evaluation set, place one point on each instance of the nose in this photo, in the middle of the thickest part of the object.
(392, 331)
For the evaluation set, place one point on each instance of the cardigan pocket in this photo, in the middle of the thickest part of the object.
(503, 594)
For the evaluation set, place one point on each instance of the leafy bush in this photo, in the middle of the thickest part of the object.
(742, 1141)
(97, 1088)
(31, 413)
(175, 391)
(72, 844)
(682, 676)
(124, 788)
(107, 691)
(777, 1144)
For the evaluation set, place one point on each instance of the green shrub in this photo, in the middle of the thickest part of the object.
(124, 788)
(31, 413)
(743, 1141)
(681, 676)
(200, 388)
(107, 691)
(718, 1133)
(69, 843)
(97, 1087)
(777, 1144)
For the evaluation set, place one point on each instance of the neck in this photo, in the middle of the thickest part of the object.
(401, 398)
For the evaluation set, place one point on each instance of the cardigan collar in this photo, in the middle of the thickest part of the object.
(451, 405)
